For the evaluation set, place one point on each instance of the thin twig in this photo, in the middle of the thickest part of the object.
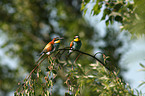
(98, 53)
(32, 72)
(88, 55)
(77, 57)
(37, 66)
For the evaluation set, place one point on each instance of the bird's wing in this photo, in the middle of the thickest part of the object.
(48, 47)
(71, 44)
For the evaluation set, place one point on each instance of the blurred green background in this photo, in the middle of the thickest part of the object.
(27, 25)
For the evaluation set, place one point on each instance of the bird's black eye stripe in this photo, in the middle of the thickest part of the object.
(56, 39)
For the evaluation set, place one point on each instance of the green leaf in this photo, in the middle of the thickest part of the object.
(130, 6)
(15, 94)
(117, 7)
(111, 19)
(83, 6)
(85, 10)
(107, 22)
(56, 60)
(5, 44)
(96, 9)
(142, 65)
(86, 1)
(47, 69)
(54, 71)
(104, 16)
(141, 84)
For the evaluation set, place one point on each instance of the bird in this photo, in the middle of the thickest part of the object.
(75, 44)
(51, 46)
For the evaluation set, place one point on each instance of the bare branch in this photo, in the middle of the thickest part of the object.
(93, 56)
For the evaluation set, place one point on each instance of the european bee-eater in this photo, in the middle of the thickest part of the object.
(52, 46)
(75, 44)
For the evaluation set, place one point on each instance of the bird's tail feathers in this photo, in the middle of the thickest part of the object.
(40, 56)
(41, 53)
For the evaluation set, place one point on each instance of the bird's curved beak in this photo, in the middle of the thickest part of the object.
(61, 38)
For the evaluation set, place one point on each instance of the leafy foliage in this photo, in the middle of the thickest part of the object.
(93, 79)
(113, 43)
(30, 24)
(128, 12)
(115, 10)
(143, 82)
(136, 21)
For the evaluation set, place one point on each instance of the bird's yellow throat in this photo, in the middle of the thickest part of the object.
(76, 39)
(58, 41)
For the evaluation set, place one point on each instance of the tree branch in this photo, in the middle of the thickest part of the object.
(93, 56)
(27, 78)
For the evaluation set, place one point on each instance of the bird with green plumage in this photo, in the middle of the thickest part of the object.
(75, 44)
